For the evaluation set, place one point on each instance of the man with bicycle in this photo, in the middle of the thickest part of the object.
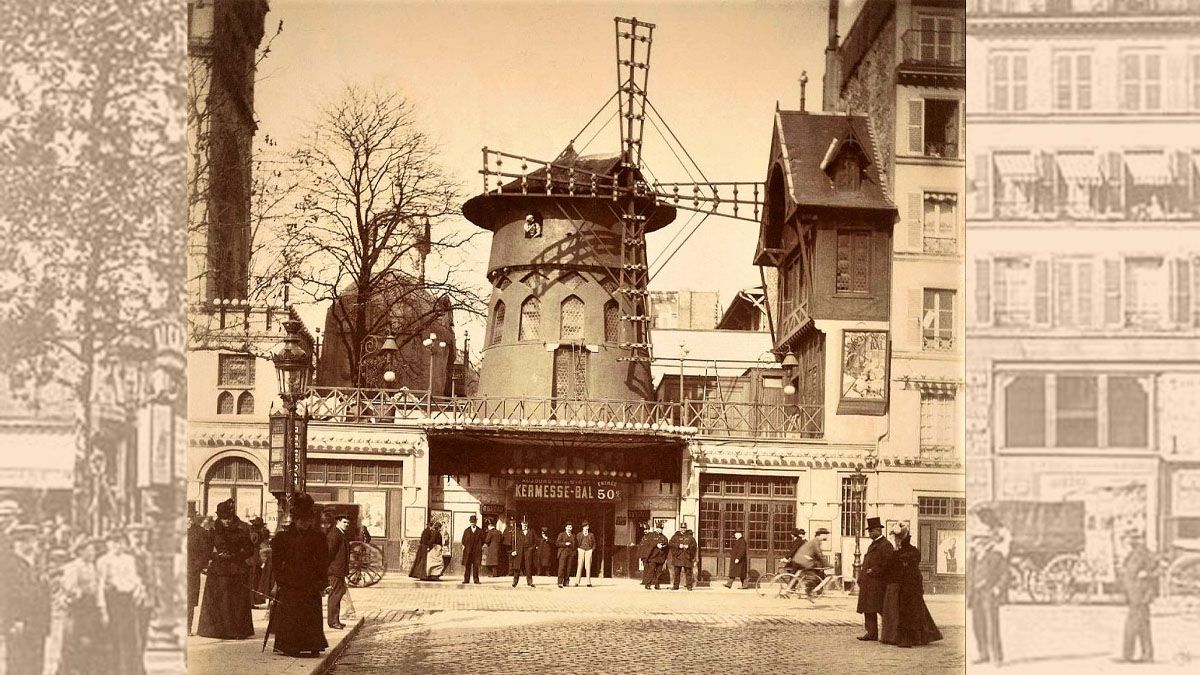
(810, 562)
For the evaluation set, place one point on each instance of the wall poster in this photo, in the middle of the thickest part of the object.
(372, 511)
(951, 545)
(864, 385)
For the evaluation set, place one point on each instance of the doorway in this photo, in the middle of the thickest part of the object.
(555, 515)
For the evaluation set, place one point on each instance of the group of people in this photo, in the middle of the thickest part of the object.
(677, 554)
(243, 566)
(101, 588)
(890, 586)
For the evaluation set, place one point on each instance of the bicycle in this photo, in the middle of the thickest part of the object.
(788, 584)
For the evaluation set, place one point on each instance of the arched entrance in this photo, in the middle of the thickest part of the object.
(237, 478)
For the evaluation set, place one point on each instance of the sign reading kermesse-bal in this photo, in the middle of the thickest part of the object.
(567, 490)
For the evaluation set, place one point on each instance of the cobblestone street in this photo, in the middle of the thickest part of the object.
(434, 628)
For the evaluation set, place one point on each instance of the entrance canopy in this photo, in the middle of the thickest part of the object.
(46, 456)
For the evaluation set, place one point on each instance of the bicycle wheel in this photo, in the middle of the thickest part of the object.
(764, 583)
(782, 583)
(809, 578)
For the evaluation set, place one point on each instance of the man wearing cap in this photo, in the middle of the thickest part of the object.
(472, 543)
(1139, 575)
(811, 557)
(737, 561)
(300, 560)
(522, 554)
(27, 596)
(987, 575)
(339, 566)
(871, 582)
(586, 542)
(565, 545)
(656, 555)
(683, 556)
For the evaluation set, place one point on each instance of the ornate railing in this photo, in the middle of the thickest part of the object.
(704, 418)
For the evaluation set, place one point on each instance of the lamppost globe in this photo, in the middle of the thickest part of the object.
(789, 390)
(389, 377)
(426, 342)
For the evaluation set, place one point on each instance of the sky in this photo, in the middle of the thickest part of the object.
(525, 77)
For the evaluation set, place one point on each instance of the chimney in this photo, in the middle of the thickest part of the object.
(831, 80)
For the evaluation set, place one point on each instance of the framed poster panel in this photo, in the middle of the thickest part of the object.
(216, 495)
(864, 377)
(814, 525)
(414, 521)
(372, 511)
(443, 517)
(951, 546)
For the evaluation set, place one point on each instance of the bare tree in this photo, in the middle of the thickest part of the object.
(373, 204)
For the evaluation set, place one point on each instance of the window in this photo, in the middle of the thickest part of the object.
(235, 370)
(847, 172)
(1141, 81)
(1016, 184)
(941, 507)
(853, 262)
(1076, 410)
(612, 321)
(937, 422)
(225, 403)
(757, 526)
(940, 225)
(235, 478)
(710, 523)
(570, 325)
(389, 474)
(940, 40)
(245, 403)
(573, 280)
(853, 508)
(937, 321)
(1009, 81)
(783, 521)
(570, 373)
(531, 320)
(1146, 293)
(1074, 301)
(1194, 60)
(1072, 81)
(498, 323)
(503, 282)
(933, 127)
(1013, 301)
(353, 473)
(337, 472)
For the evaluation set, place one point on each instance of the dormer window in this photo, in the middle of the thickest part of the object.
(847, 172)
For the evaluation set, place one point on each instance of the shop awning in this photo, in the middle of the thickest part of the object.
(1149, 168)
(1079, 167)
(1016, 166)
(46, 459)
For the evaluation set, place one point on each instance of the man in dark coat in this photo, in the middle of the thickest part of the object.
(565, 545)
(339, 567)
(522, 555)
(300, 560)
(987, 576)
(656, 556)
(737, 561)
(199, 547)
(26, 596)
(1139, 575)
(872, 584)
(472, 543)
(683, 556)
(492, 540)
(798, 540)
(545, 554)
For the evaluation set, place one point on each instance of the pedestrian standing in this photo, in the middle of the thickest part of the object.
(656, 556)
(339, 566)
(1139, 575)
(565, 544)
(225, 610)
(300, 561)
(257, 534)
(199, 548)
(83, 643)
(523, 555)
(121, 590)
(26, 595)
(427, 563)
(914, 624)
(683, 556)
(737, 561)
(492, 540)
(546, 554)
(266, 576)
(472, 543)
(872, 584)
(585, 543)
(987, 577)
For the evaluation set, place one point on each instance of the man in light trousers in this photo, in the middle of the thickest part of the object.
(587, 544)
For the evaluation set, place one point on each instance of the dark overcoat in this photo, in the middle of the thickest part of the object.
(915, 623)
(225, 611)
(683, 548)
(301, 560)
(1139, 590)
(872, 582)
(565, 543)
(523, 552)
(339, 553)
(199, 548)
(492, 541)
(472, 543)
(545, 552)
(658, 547)
(737, 558)
(420, 567)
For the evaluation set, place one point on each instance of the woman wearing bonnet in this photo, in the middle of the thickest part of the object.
(906, 619)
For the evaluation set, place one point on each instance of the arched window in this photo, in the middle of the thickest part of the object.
(570, 322)
(234, 478)
(225, 403)
(612, 319)
(572, 280)
(245, 404)
(498, 323)
(531, 320)
(503, 282)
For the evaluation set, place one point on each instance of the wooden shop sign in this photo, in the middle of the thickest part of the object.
(551, 489)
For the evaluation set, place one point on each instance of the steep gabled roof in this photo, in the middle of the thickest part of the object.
(806, 139)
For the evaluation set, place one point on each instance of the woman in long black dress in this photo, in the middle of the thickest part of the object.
(299, 558)
(914, 624)
(431, 542)
(225, 611)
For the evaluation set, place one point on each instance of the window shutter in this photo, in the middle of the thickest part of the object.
(916, 307)
(916, 220)
(1183, 164)
(983, 291)
(983, 185)
(1085, 290)
(1195, 291)
(1064, 299)
(1181, 286)
(1116, 180)
(1112, 292)
(916, 126)
(1041, 292)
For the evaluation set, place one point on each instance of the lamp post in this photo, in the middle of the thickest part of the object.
(292, 366)
(432, 344)
(683, 352)
(789, 367)
(858, 485)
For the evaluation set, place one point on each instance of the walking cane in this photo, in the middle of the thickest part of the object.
(270, 621)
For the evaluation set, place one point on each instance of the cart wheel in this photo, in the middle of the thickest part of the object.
(366, 565)
(1058, 579)
(1183, 576)
(763, 585)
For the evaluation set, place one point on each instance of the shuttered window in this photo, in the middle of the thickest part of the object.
(498, 323)
(853, 262)
(571, 319)
(612, 321)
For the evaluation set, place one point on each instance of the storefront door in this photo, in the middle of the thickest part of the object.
(555, 515)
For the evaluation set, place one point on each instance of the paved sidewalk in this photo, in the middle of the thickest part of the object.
(208, 656)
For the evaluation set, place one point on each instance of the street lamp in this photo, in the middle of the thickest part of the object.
(292, 366)
(789, 366)
(858, 486)
(432, 344)
(388, 347)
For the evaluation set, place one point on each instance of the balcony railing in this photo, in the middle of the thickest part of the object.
(934, 48)
(704, 418)
(1052, 8)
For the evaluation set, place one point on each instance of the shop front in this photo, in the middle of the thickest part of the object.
(554, 502)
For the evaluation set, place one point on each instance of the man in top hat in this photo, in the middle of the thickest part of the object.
(472, 543)
(26, 595)
(339, 566)
(738, 564)
(565, 544)
(1139, 575)
(797, 541)
(523, 555)
(871, 582)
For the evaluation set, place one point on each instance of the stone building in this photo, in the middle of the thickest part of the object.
(1085, 262)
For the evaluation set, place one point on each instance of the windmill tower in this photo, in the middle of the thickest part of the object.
(569, 315)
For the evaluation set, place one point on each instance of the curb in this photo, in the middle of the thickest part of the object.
(327, 661)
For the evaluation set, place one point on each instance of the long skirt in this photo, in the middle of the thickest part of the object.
(889, 631)
(125, 656)
(906, 619)
(225, 610)
(419, 569)
(435, 564)
(297, 621)
(84, 644)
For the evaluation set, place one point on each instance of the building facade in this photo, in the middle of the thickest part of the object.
(1084, 211)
